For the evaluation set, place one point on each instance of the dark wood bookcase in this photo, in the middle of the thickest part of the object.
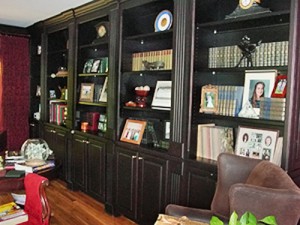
(128, 173)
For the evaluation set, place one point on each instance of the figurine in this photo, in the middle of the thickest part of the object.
(153, 65)
(247, 50)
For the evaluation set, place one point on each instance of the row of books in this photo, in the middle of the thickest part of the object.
(213, 140)
(162, 60)
(272, 108)
(58, 112)
(230, 99)
(267, 54)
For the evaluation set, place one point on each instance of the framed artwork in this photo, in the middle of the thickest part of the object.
(95, 66)
(88, 66)
(87, 92)
(279, 90)
(133, 131)
(256, 143)
(52, 94)
(162, 95)
(209, 99)
(167, 129)
(258, 83)
(103, 95)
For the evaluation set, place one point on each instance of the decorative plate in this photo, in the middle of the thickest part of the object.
(163, 21)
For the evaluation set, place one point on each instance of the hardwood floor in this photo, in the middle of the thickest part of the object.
(77, 208)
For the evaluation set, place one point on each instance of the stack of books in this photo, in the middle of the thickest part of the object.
(272, 108)
(213, 140)
(34, 169)
(230, 99)
(11, 213)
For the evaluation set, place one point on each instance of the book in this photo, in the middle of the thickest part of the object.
(11, 214)
(15, 173)
(32, 169)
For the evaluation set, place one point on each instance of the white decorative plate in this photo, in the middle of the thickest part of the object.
(163, 21)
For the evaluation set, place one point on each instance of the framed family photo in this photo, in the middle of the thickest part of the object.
(279, 90)
(133, 131)
(103, 95)
(209, 99)
(87, 92)
(256, 143)
(258, 83)
(162, 95)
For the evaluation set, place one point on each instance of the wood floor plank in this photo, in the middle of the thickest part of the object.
(76, 208)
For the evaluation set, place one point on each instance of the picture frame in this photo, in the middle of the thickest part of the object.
(103, 95)
(279, 90)
(162, 95)
(87, 92)
(96, 65)
(259, 80)
(209, 99)
(167, 129)
(256, 143)
(133, 131)
(52, 94)
(88, 66)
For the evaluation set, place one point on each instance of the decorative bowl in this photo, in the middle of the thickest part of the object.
(36, 148)
(142, 93)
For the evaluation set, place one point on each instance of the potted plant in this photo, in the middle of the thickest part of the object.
(246, 219)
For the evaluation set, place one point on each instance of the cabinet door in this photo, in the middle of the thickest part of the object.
(152, 188)
(96, 169)
(126, 182)
(200, 186)
(79, 162)
(57, 142)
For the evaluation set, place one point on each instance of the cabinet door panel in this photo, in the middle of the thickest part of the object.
(200, 189)
(96, 169)
(79, 163)
(152, 187)
(126, 183)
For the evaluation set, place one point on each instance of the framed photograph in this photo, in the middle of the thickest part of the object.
(95, 66)
(209, 99)
(167, 129)
(88, 66)
(256, 143)
(279, 90)
(87, 92)
(52, 94)
(133, 131)
(162, 95)
(258, 83)
(103, 96)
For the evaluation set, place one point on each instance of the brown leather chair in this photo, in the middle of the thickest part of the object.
(252, 185)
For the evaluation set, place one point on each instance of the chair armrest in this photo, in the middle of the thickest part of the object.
(201, 215)
(284, 204)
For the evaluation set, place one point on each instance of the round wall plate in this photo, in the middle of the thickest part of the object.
(163, 21)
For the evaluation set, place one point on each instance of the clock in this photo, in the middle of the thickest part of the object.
(102, 30)
(247, 4)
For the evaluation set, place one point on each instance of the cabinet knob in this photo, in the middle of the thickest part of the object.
(140, 158)
(133, 157)
(87, 142)
(72, 132)
(32, 124)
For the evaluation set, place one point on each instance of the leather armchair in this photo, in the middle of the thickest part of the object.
(252, 185)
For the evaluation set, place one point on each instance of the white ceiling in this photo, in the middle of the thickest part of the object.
(23, 13)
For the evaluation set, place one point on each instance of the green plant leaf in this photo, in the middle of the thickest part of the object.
(269, 220)
(234, 219)
(244, 219)
(215, 221)
(252, 219)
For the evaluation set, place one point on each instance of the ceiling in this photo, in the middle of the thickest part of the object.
(23, 13)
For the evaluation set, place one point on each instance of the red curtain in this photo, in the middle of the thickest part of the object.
(14, 89)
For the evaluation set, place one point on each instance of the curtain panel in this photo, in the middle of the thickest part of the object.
(14, 89)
